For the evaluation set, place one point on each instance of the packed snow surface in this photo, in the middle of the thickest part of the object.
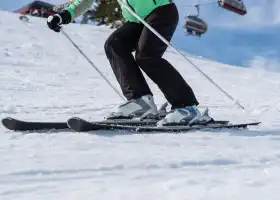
(43, 77)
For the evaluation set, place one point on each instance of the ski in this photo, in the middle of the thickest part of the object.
(18, 125)
(81, 125)
(135, 122)
(136, 125)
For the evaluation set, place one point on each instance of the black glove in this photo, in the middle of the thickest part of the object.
(55, 21)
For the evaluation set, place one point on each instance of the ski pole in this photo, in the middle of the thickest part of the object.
(121, 2)
(91, 63)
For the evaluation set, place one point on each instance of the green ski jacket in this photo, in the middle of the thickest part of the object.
(141, 7)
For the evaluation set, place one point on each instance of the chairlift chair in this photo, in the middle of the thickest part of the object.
(236, 6)
(194, 25)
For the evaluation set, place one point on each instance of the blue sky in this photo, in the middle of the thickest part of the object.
(252, 40)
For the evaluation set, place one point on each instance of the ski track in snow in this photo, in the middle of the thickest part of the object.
(42, 77)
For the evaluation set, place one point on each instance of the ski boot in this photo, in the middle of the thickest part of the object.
(143, 107)
(189, 115)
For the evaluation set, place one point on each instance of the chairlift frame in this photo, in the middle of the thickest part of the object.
(236, 6)
(194, 25)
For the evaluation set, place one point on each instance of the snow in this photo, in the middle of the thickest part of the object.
(43, 77)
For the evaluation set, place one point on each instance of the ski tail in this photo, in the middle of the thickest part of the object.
(18, 125)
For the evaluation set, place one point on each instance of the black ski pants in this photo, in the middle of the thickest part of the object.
(149, 51)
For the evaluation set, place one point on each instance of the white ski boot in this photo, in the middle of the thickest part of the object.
(143, 107)
(189, 115)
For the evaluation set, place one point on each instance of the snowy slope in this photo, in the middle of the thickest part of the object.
(42, 77)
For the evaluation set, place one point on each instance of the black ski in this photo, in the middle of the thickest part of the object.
(81, 125)
(17, 125)
(137, 122)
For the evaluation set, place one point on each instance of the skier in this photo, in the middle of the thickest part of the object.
(163, 16)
